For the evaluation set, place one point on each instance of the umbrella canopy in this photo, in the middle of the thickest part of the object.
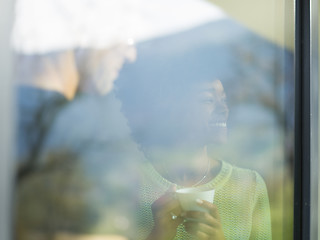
(42, 26)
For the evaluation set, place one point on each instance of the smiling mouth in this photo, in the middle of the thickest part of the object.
(218, 124)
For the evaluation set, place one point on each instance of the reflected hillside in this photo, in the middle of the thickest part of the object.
(256, 76)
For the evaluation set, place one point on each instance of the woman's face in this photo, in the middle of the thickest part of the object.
(188, 118)
(215, 111)
(195, 117)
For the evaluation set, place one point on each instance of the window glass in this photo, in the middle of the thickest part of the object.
(153, 119)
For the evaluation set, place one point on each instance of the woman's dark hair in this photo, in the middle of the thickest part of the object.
(158, 93)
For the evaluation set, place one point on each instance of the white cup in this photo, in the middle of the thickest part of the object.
(188, 198)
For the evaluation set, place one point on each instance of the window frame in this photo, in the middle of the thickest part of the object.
(302, 121)
(314, 138)
(6, 123)
(302, 164)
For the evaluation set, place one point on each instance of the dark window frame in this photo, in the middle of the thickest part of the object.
(302, 121)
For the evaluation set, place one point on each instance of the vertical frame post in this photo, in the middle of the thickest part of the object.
(302, 121)
(314, 97)
(6, 122)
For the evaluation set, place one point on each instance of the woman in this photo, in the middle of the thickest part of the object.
(173, 121)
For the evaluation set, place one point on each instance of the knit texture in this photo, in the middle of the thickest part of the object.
(240, 195)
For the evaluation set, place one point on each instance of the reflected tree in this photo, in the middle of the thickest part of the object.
(53, 198)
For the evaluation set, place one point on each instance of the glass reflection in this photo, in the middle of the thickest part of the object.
(109, 132)
(172, 123)
(68, 180)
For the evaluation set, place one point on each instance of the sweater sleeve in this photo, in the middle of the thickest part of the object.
(261, 222)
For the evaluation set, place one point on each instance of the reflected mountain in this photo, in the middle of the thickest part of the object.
(258, 81)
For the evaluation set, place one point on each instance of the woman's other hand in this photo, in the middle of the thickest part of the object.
(166, 213)
(204, 225)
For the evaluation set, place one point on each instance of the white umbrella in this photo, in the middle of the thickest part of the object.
(51, 25)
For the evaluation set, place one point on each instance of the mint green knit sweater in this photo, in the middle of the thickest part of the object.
(240, 195)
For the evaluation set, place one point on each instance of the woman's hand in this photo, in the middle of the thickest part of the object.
(166, 215)
(204, 225)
